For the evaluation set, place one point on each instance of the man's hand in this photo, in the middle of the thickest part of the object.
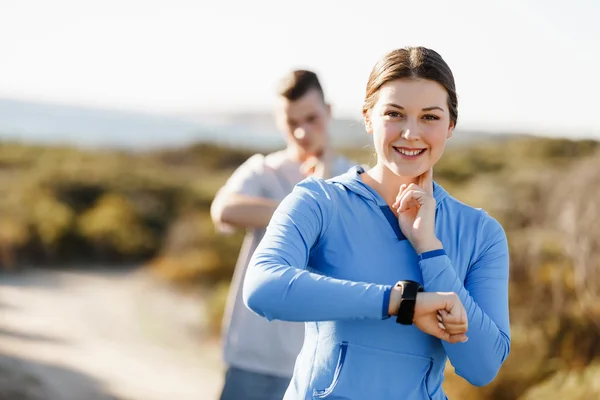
(319, 166)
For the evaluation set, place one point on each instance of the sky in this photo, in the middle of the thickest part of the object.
(526, 66)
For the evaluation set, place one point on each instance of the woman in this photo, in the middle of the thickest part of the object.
(335, 249)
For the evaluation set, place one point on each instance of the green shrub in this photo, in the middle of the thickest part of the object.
(112, 226)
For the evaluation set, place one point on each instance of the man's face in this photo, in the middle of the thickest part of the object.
(305, 122)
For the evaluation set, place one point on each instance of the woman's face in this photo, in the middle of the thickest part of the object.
(410, 123)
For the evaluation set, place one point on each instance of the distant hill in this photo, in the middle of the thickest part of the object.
(86, 126)
(52, 123)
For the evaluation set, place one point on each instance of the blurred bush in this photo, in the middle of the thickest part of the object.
(66, 206)
(112, 225)
(545, 195)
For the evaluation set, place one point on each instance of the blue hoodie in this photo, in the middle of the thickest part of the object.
(330, 256)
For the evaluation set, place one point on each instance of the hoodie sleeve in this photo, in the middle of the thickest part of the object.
(277, 283)
(485, 297)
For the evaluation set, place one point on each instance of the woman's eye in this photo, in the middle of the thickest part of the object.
(431, 117)
(393, 114)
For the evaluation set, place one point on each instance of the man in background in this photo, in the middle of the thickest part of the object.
(260, 355)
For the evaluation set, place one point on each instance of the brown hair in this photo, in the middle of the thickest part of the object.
(412, 62)
(297, 83)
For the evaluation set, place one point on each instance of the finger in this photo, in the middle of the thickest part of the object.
(460, 338)
(453, 339)
(402, 189)
(426, 181)
(455, 329)
(456, 325)
(310, 160)
(457, 315)
(453, 322)
(308, 165)
(409, 198)
(403, 203)
(452, 317)
(453, 307)
(399, 196)
(449, 319)
(407, 201)
(441, 322)
(413, 199)
(443, 335)
(413, 203)
(414, 186)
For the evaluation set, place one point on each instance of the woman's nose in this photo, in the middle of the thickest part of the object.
(299, 133)
(410, 133)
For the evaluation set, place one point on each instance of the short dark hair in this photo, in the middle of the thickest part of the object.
(297, 83)
(412, 62)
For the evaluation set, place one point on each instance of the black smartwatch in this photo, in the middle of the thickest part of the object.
(406, 311)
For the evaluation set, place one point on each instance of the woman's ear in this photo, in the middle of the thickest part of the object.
(450, 130)
(368, 123)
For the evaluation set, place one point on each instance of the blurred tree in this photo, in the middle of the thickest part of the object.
(13, 234)
(114, 229)
(50, 219)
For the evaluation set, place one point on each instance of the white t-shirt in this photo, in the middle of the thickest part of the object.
(251, 342)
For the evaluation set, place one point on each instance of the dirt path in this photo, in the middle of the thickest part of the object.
(105, 335)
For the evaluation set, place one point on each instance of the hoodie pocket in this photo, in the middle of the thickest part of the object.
(368, 373)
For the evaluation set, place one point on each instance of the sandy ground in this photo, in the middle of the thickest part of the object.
(104, 335)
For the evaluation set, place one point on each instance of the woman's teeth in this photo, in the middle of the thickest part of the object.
(409, 152)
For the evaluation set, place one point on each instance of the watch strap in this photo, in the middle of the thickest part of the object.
(406, 310)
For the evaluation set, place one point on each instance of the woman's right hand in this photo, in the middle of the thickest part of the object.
(430, 305)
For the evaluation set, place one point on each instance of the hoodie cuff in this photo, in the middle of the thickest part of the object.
(385, 308)
(431, 254)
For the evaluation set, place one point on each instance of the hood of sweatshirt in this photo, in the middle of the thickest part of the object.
(352, 181)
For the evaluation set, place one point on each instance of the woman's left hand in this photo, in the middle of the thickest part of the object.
(416, 213)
